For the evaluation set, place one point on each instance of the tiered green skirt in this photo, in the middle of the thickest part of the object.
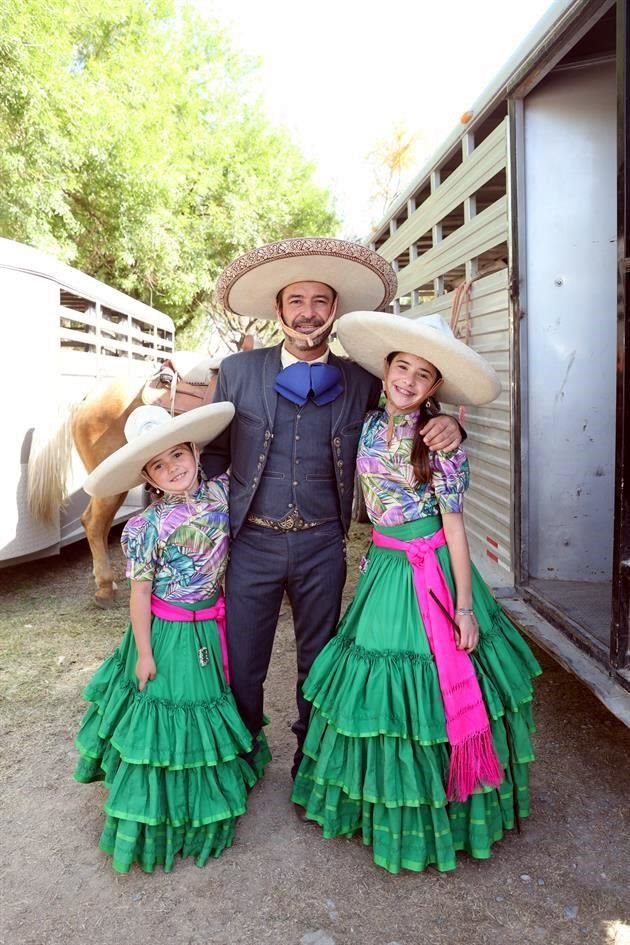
(376, 752)
(171, 756)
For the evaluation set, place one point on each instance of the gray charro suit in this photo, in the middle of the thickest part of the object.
(285, 458)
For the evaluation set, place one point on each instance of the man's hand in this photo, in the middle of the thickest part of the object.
(442, 433)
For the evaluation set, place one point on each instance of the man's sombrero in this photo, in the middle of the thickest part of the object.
(150, 430)
(361, 278)
(369, 337)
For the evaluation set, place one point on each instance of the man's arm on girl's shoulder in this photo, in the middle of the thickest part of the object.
(443, 434)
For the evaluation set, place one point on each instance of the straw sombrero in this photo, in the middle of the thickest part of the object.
(369, 337)
(361, 278)
(151, 430)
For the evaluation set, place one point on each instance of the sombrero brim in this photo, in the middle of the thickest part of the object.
(122, 471)
(361, 278)
(368, 337)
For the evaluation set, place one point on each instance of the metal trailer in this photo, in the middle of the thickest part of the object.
(528, 200)
(63, 332)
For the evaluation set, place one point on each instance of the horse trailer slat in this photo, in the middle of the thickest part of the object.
(485, 231)
(483, 164)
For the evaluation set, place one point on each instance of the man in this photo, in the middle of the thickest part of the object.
(291, 449)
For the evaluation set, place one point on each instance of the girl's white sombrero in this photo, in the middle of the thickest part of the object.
(369, 337)
(151, 430)
(361, 278)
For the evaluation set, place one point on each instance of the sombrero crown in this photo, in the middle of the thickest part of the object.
(361, 278)
(150, 430)
(369, 337)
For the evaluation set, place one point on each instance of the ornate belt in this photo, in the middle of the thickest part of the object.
(293, 522)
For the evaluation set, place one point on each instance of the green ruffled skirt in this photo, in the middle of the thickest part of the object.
(376, 753)
(171, 756)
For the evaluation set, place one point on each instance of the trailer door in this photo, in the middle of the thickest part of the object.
(571, 340)
(620, 656)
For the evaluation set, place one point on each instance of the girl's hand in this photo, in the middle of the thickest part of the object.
(468, 632)
(145, 670)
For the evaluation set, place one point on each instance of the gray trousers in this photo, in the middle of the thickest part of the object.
(311, 567)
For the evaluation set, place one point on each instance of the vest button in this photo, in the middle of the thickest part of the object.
(337, 441)
(261, 457)
(295, 482)
(297, 436)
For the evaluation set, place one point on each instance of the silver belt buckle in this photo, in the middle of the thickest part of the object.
(292, 522)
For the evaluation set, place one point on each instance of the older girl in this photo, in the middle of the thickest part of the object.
(419, 735)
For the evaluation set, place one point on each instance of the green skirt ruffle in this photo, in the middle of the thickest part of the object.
(171, 756)
(376, 754)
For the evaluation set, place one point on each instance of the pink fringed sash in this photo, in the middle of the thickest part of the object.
(474, 760)
(166, 611)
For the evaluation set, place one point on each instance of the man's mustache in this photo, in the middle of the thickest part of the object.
(308, 322)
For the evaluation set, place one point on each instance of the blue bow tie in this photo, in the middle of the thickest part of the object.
(302, 379)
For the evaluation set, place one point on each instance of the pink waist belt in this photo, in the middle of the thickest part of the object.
(473, 761)
(165, 611)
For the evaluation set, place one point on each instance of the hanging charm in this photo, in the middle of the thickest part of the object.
(202, 652)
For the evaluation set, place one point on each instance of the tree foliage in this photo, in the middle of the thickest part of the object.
(135, 148)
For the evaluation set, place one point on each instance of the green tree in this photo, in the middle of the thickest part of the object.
(134, 147)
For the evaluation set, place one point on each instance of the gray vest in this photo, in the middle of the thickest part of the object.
(299, 473)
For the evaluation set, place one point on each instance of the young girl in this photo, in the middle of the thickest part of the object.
(162, 729)
(420, 732)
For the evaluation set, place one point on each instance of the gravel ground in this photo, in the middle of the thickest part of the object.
(564, 880)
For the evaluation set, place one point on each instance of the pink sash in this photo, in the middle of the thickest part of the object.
(474, 760)
(166, 611)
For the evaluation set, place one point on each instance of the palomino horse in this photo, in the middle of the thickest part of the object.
(96, 426)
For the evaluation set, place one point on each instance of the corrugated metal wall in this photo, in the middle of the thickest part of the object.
(468, 243)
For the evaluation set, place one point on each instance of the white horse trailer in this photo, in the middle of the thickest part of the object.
(523, 212)
(64, 332)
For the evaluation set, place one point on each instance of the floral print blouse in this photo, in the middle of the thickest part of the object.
(181, 543)
(392, 496)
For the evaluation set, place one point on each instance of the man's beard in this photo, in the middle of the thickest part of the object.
(317, 337)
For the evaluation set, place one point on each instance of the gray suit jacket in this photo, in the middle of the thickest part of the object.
(247, 380)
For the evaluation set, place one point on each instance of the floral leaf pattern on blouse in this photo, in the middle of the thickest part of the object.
(181, 544)
(392, 495)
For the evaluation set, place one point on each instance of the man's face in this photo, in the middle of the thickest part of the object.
(306, 306)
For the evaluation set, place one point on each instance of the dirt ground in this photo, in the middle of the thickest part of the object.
(564, 880)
